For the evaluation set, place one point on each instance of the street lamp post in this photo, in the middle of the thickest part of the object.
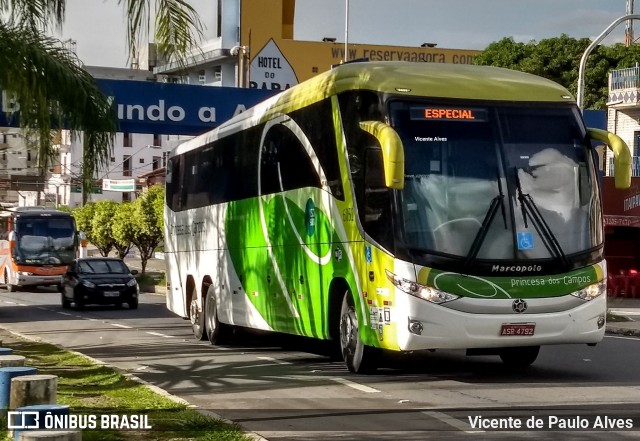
(346, 31)
(594, 43)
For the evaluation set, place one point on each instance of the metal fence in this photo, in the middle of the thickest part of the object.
(624, 78)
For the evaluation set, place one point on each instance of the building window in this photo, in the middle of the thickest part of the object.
(126, 165)
(636, 147)
(126, 197)
(113, 159)
(141, 160)
(126, 139)
(156, 140)
(165, 156)
(155, 162)
(28, 156)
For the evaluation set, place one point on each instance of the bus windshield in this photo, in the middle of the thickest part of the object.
(44, 240)
(526, 172)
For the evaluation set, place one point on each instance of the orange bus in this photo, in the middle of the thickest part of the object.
(36, 246)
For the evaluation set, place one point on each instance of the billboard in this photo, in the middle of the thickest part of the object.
(166, 108)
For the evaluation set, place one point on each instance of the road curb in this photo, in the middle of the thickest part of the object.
(252, 435)
(614, 330)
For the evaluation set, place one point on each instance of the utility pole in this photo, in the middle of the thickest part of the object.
(628, 31)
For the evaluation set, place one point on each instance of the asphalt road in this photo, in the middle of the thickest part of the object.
(294, 390)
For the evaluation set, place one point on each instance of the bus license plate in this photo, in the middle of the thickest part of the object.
(517, 329)
(111, 293)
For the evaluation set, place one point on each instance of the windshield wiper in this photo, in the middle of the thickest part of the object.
(496, 202)
(530, 209)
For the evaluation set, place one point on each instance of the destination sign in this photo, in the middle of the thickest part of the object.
(448, 114)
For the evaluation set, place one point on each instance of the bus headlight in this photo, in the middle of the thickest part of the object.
(25, 273)
(591, 291)
(417, 290)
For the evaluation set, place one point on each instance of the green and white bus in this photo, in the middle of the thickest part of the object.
(396, 206)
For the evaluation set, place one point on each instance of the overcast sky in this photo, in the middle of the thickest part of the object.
(98, 26)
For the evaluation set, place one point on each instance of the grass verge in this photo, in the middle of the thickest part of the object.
(94, 389)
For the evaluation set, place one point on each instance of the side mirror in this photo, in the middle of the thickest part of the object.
(134, 272)
(392, 152)
(621, 155)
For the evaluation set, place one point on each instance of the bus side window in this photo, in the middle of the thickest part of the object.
(377, 200)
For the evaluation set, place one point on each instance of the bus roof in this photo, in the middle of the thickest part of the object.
(412, 79)
(21, 211)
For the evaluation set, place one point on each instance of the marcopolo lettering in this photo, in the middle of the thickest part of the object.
(515, 268)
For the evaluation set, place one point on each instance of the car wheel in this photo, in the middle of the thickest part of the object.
(133, 304)
(217, 333)
(359, 358)
(79, 302)
(66, 304)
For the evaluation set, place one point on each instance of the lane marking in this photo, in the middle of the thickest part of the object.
(118, 325)
(157, 334)
(274, 360)
(451, 421)
(354, 385)
(65, 313)
(9, 302)
(622, 337)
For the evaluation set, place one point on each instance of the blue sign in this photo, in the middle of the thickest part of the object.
(367, 253)
(525, 240)
(172, 109)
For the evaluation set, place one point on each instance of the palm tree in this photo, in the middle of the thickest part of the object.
(52, 88)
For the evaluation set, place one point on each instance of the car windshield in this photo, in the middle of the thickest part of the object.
(102, 267)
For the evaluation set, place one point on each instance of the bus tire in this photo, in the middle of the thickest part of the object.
(196, 316)
(217, 333)
(359, 358)
(519, 357)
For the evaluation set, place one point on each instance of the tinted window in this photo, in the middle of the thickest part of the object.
(102, 267)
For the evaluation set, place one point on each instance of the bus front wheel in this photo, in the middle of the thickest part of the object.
(359, 358)
(7, 283)
(519, 357)
(217, 333)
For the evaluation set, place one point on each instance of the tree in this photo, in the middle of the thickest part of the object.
(84, 219)
(101, 225)
(148, 233)
(50, 85)
(558, 59)
(123, 228)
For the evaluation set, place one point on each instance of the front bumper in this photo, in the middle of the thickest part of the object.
(444, 327)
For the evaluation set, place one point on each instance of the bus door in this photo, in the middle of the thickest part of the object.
(377, 222)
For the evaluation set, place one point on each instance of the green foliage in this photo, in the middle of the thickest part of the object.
(51, 85)
(101, 225)
(84, 219)
(123, 228)
(558, 59)
(148, 232)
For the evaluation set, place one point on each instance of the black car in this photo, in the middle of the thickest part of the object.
(100, 281)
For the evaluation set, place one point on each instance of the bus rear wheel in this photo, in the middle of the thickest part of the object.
(217, 333)
(196, 315)
(519, 357)
(359, 358)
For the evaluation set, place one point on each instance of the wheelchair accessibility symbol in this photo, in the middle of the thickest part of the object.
(525, 240)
